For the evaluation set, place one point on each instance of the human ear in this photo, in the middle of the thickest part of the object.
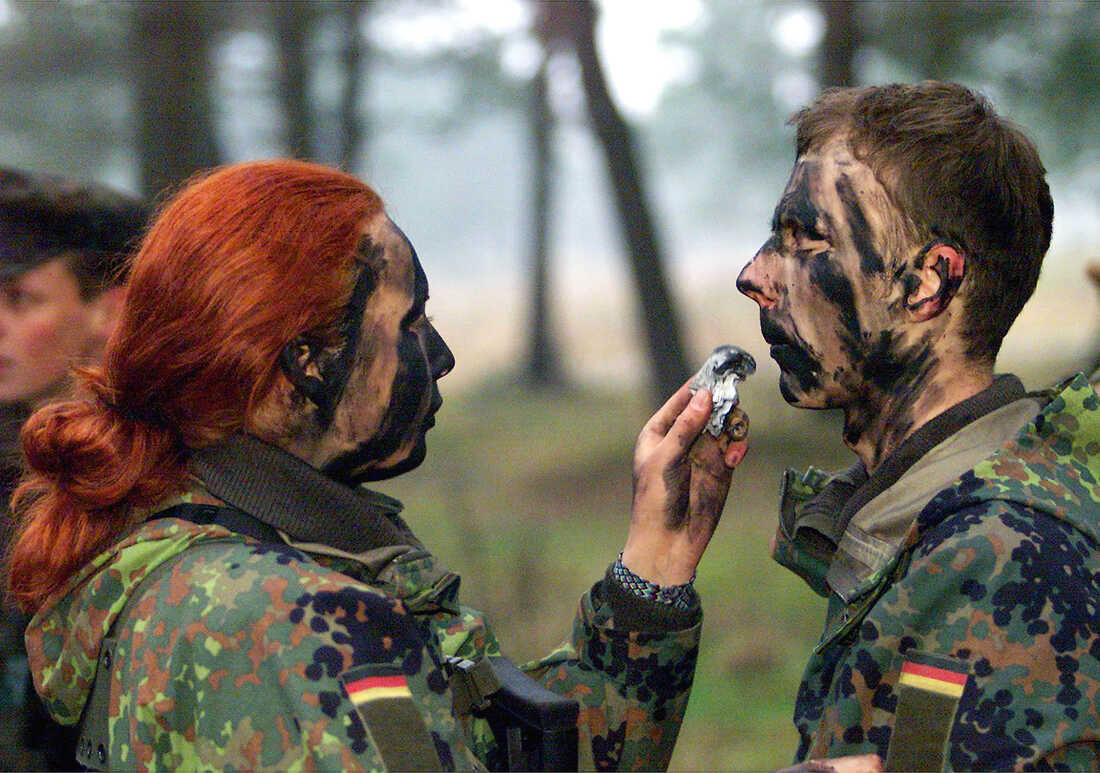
(939, 272)
(298, 361)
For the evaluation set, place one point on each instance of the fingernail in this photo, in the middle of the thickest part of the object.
(700, 399)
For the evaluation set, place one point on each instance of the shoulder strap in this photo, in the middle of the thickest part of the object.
(230, 517)
(93, 746)
(94, 742)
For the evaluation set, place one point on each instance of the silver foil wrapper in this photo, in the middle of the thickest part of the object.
(726, 367)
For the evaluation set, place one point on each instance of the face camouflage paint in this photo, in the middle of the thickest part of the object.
(326, 389)
(832, 283)
(419, 357)
(870, 261)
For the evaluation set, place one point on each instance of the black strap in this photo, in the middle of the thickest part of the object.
(230, 517)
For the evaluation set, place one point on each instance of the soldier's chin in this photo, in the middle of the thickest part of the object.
(413, 460)
(796, 394)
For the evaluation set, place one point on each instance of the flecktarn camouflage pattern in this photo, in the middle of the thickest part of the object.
(992, 606)
(231, 654)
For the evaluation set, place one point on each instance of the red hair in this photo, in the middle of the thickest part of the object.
(243, 260)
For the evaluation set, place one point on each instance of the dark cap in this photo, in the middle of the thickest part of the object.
(44, 216)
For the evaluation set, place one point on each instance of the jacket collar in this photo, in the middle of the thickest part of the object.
(842, 532)
(283, 491)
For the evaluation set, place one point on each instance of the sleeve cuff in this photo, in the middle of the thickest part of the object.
(634, 613)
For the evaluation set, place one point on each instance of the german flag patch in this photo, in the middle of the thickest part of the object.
(932, 679)
(377, 688)
(384, 701)
(929, 689)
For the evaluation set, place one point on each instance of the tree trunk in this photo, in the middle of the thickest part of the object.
(292, 20)
(173, 107)
(660, 322)
(355, 58)
(543, 363)
(840, 44)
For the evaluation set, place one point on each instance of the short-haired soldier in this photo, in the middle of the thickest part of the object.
(959, 553)
(63, 243)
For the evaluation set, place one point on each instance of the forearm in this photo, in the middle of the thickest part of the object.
(631, 683)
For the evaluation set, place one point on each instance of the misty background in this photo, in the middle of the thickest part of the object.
(583, 182)
(433, 103)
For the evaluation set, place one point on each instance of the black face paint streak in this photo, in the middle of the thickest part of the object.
(399, 425)
(414, 379)
(794, 359)
(837, 289)
(949, 285)
(334, 366)
(909, 286)
(893, 369)
(870, 261)
(797, 208)
(897, 375)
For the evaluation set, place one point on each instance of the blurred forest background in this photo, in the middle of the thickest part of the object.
(583, 183)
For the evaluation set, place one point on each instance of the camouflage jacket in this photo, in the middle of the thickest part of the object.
(969, 579)
(232, 653)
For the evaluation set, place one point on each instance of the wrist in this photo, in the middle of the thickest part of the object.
(681, 595)
(657, 563)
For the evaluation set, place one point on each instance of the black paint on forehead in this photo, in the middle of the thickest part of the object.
(836, 288)
(870, 260)
(797, 205)
(772, 244)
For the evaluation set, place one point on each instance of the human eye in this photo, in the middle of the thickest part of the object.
(16, 297)
(805, 238)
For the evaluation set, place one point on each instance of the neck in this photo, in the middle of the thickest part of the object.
(882, 420)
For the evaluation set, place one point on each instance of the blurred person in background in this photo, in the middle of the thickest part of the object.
(959, 554)
(62, 247)
(199, 552)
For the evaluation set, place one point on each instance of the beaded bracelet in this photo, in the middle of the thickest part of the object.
(679, 596)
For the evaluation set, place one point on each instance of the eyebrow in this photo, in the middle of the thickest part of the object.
(796, 208)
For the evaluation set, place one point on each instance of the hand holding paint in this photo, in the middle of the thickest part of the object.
(678, 495)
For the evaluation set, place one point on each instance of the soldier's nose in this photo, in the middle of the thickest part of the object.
(753, 282)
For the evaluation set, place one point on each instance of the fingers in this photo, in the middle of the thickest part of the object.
(689, 423)
(665, 416)
(735, 453)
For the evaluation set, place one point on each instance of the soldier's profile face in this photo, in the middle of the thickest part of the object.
(45, 329)
(829, 284)
(391, 396)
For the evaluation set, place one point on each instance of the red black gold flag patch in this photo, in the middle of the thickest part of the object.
(373, 688)
(929, 689)
(932, 679)
(384, 701)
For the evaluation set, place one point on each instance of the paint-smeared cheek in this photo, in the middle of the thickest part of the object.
(832, 300)
(411, 386)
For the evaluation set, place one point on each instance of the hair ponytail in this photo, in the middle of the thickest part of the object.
(90, 466)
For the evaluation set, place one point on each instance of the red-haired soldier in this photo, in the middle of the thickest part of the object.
(212, 586)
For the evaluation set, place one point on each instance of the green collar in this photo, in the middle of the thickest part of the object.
(283, 491)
